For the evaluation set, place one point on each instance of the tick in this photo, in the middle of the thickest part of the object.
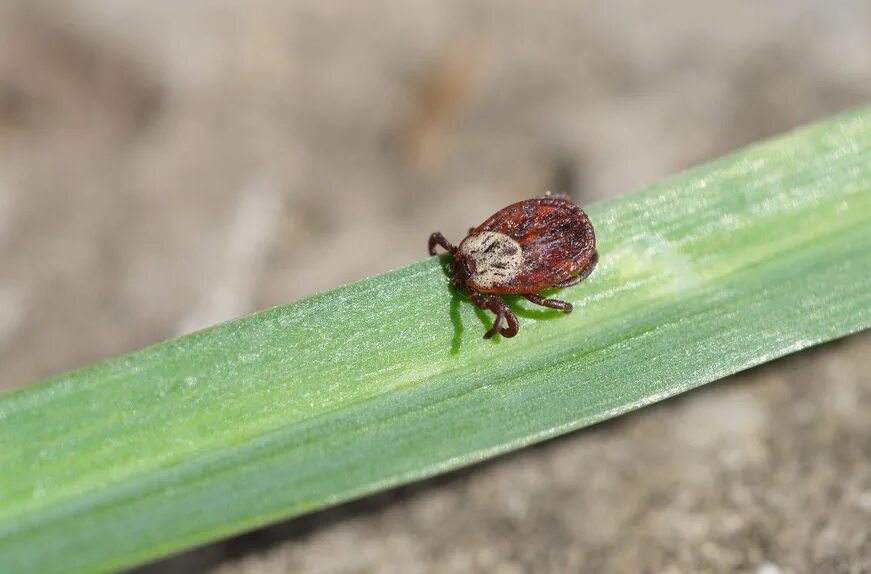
(527, 247)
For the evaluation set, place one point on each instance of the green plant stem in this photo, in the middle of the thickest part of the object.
(387, 381)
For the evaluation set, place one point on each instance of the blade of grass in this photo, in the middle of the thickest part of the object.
(387, 380)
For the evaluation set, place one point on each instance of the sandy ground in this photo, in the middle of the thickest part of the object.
(164, 167)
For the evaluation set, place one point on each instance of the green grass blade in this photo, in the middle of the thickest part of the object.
(388, 380)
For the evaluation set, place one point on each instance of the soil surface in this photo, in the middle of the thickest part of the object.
(166, 166)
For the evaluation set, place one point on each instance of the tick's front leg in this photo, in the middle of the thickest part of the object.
(438, 239)
(501, 310)
(510, 318)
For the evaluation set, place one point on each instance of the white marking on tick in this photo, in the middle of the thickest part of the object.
(496, 258)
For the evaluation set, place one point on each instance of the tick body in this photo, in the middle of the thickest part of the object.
(527, 247)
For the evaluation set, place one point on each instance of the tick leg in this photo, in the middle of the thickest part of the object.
(585, 272)
(563, 306)
(501, 310)
(438, 239)
(511, 319)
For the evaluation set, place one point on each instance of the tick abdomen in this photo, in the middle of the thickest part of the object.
(556, 238)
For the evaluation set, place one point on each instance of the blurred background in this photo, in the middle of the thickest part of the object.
(166, 166)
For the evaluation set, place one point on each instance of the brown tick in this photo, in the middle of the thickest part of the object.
(527, 247)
